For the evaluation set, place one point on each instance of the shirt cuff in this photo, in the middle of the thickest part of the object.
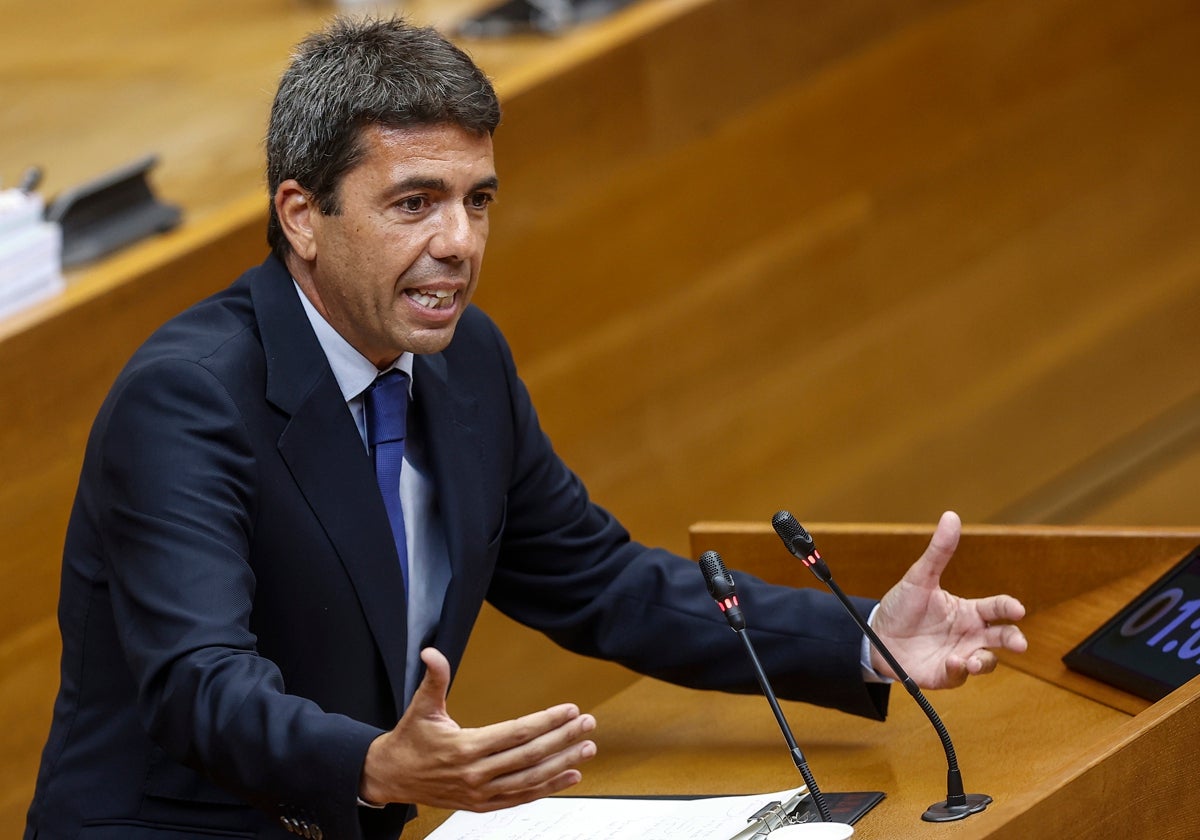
(870, 675)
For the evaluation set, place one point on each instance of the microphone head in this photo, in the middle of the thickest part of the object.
(716, 576)
(798, 541)
(722, 589)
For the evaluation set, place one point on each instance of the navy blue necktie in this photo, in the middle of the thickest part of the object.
(386, 405)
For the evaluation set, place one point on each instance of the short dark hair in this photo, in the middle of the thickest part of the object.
(356, 73)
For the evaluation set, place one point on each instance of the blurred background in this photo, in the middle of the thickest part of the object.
(866, 260)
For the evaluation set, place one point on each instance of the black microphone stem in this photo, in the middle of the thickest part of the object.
(797, 755)
(955, 797)
(957, 804)
(721, 587)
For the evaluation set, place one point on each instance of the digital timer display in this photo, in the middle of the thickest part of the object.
(1152, 646)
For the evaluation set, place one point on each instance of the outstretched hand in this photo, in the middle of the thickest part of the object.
(429, 759)
(939, 638)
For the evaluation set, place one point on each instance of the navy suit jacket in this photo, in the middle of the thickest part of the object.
(232, 609)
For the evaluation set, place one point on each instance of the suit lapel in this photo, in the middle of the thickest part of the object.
(447, 414)
(325, 455)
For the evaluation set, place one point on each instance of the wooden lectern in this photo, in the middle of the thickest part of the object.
(1062, 755)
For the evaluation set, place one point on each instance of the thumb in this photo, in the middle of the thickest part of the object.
(927, 571)
(429, 700)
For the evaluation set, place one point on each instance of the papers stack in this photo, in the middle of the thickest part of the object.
(574, 818)
(30, 252)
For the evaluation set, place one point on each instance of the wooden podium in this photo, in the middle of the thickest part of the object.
(1062, 755)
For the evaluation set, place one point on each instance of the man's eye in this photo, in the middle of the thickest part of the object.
(413, 204)
(480, 201)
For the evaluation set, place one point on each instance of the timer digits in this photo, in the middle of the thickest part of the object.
(1157, 608)
(1152, 645)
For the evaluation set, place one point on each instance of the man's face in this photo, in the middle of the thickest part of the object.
(395, 269)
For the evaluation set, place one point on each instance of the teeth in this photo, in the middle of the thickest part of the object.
(433, 299)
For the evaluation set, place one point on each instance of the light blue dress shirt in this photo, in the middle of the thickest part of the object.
(428, 561)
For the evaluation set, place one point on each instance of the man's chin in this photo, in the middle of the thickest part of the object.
(424, 342)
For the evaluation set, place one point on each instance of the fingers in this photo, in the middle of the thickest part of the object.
(429, 759)
(1006, 637)
(1000, 608)
(550, 787)
(995, 612)
(958, 669)
(521, 741)
(929, 567)
(544, 764)
(517, 776)
(430, 696)
(981, 662)
(437, 668)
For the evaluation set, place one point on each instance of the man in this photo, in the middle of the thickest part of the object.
(257, 636)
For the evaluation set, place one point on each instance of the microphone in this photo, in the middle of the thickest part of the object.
(957, 804)
(723, 590)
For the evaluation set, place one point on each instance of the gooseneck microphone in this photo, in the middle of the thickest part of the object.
(721, 587)
(957, 804)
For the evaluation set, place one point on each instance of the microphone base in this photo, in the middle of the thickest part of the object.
(943, 812)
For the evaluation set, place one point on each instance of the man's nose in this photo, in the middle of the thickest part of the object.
(458, 236)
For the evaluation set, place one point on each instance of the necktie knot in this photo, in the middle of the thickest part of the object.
(386, 405)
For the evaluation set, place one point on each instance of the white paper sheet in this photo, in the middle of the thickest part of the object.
(575, 818)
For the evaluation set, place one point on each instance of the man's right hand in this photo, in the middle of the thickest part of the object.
(429, 759)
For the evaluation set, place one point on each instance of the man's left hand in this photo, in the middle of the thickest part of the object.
(939, 638)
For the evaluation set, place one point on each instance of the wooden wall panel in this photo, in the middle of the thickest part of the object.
(941, 267)
(865, 259)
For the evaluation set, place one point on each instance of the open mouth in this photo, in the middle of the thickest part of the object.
(432, 299)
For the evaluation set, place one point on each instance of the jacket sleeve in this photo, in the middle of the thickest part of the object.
(569, 569)
(179, 486)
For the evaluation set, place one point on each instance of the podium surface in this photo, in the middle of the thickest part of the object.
(1061, 754)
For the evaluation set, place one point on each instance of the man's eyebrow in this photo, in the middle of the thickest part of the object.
(492, 183)
(418, 182)
(434, 184)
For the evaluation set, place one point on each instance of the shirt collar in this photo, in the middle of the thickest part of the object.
(352, 370)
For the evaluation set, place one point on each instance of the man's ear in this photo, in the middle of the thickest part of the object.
(296, 211)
